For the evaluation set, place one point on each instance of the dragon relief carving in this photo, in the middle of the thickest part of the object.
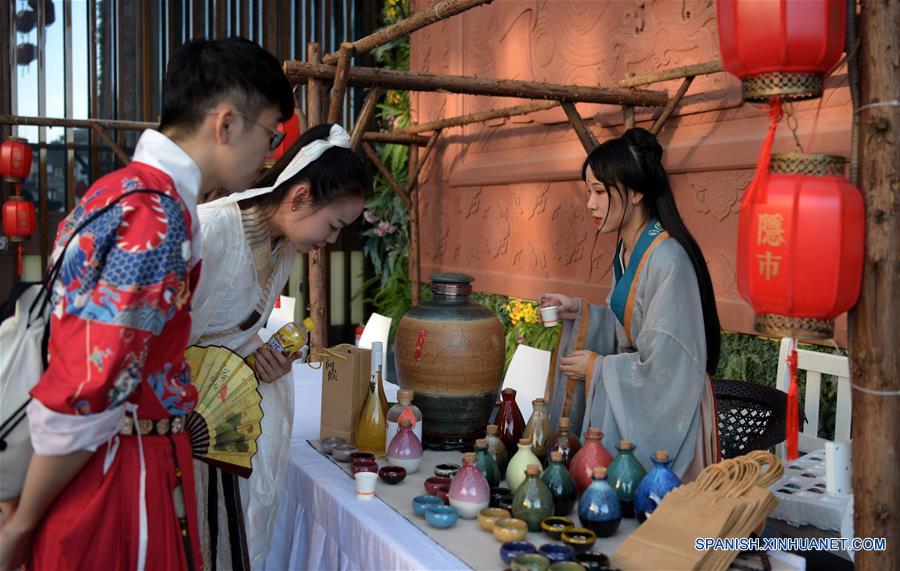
(496, 230)
(530, 199)
(717, 193)
(570, 234)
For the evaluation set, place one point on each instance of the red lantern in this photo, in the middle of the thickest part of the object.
(15, 160)
(18, 213)
(291, 130)
(781, 47)
(18, 218)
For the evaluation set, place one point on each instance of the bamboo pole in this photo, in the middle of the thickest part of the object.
(874, 358)
(76, 123)
(584, 135)
(478, 117)
(417, 21)
(388, 177)
(394, 139)
(415, 269)
(298, 71)
(413, 181)
(104, 136)
(336, 107)
(671, 105)
(365, 115)
(628, 116)
(318, 272)
(674, 73)
(298, 110)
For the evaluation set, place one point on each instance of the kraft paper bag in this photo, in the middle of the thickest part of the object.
(346, 372)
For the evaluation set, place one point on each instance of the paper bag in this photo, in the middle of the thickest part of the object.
(346, 371)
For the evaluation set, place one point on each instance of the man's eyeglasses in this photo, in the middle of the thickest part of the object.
(274, 140)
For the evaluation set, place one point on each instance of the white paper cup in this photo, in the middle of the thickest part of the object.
(549, 316)
(365, 485)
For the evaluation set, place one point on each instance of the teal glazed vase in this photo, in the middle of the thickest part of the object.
(656, 484)
(486, 464)
(624, 475)
(561, 485)
(533, 501)
(599, 509)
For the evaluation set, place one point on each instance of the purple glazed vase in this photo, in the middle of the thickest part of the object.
(469, 490)
(405, 449)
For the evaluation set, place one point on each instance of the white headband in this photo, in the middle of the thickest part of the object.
(337, 137)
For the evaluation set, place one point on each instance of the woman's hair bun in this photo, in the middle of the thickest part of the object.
(644, 141)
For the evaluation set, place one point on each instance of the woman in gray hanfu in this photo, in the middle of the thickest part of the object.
(638, 367)
(249, 243)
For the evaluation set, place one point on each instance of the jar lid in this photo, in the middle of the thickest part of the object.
(451, 278)
(625, 444)
(594, 432)
(556, 456)
(600, 472)
(564, 422)
(492, 429)
(534, 470)
(481, 443)
(405, 395)
(469, 457)
(451, 285)
(525, 441)
(662, 456)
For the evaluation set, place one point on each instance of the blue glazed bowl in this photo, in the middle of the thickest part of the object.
(441, 516)
(512, 549)
(557, 552)
(422, 503)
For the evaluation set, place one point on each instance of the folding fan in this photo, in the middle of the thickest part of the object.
(225, 424)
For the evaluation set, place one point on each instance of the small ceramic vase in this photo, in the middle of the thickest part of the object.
(469, 490)
(510, 423)
(579, 539)
(598, 508)
(485, 463)
(441, 516)
(405, 449)
(533, 501)
(403, 409)
(510, 529)
(624, 475)
(564, 441)
(512, 549)
(496, 448)
(421, 503)
(515, 471)
(489, 516)
(538, 429)
(554, 526)
(531, 562)
(561, 485)
(656, 484)
(556, 552)
(591, 455)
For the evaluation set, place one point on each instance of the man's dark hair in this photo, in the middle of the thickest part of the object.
(202, 73)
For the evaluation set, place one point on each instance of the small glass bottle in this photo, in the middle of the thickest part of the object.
(485, 462)
(538, 429)
(399, 411)
(377, 366)
(564, 442)
(496, 447)
(371, 428)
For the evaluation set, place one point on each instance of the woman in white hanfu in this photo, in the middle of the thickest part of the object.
(638, 368)
(249, 242)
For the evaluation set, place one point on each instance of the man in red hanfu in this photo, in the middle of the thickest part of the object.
(110, 485)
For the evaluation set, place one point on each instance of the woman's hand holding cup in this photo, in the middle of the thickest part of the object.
(566, 307)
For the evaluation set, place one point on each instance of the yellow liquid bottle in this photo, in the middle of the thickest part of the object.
(371, 427)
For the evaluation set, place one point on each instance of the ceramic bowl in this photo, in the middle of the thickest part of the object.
(433, 483)
(554, 526)
(392, 474)
(531, 562)
(446, 470)
(342, 452)
(364, 466)
(328, 444)
(488, 516)
(441, 516)
(512, 549)
(361, 456)
(421, 503)
(566, 566)
(579, 539)
(497, 494)
(510, 529)
(557, 552)
(443, 492)
(593, 561)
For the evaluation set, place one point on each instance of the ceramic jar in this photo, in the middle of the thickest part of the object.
(403, 409)
(469, 490)
(538, 429)
(624, 475)
(510, 424)
(515, 471)
(564, 441)
(435, 343)
(591, 455)
(560, 483)
(496, 447)
(405, 449)
(533, 501)
(598, 508)
(658, 482)
(485, 462)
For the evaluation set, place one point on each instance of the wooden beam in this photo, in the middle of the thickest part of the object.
(628, 116)
(317, 259)
(394, 138)
(413, 181)
(79, 123)
(674, 73)
(584, 135)
(671, 105)
(298, 109)
(365, 115)
(298, 71)
(874, 358)
(417, 21)
(478, 117)
(415, 268)
(313, 87)
(388, 177)
(336, 107)
(107, 140)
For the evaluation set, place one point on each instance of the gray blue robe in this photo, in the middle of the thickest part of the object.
(647, 381)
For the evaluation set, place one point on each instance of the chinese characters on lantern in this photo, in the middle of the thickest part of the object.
(769, 232)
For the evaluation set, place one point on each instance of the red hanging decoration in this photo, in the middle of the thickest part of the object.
(792, 428)
(19, 220)
(291, 130)
(782, 47)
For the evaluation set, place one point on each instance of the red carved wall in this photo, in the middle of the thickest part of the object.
(503, 200)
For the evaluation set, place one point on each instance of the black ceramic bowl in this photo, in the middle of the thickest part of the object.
(506, 503)
(594, 561)
(497, 494)
(446, 470)
(392, 474)
(579, 539)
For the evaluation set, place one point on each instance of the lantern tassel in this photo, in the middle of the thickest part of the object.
(792, 428)
(765, 154)
(21, 250)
